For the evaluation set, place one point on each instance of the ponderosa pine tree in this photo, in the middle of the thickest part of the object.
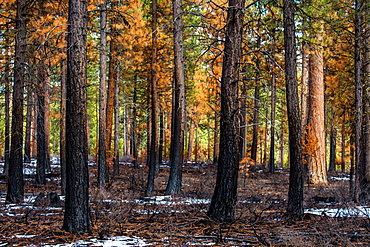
(224, 198)
(62, 140)
(42, 157)
(296, 185)
(178, 104)
(77, 212)
(153, 142)
(315, 132)
(102, 159)
(15, 174)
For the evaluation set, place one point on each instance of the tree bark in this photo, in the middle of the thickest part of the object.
(224, 198)
(296, 185)
(102, 161)
(178, 107)
(315, 131)
(30, 139)
(153, 146)
(42, 142)
(7, 116)
(359, 191)
(112, 76)
(116, 126)
(333, 148)
(191, 139)
(63, 158)
(77, 212)
(15, 191)
(273, 105)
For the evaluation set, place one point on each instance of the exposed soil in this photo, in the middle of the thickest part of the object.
(123, 209)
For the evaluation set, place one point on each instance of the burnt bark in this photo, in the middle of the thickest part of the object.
(153, 144)
(102, 156)
(178, 105)
(224, 198)
(296, 185)
(63, 102)
(77, 212)
(15, 191)
(42, 142)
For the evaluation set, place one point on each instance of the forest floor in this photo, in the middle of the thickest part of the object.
(122, 215)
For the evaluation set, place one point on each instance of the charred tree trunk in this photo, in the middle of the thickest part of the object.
(191, 140)
(77, 211)
(7, 118)
(296, 185)
(273, 108)
(133, 129)
(178, 107)
(63, 114)
(333, 148)
(30, 121)
(102, 160)
(42, 142)
(15, 191)
(153, 146)
(224, 198)
(116, 126)
(360, 188)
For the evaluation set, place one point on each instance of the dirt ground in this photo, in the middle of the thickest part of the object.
(123, 209)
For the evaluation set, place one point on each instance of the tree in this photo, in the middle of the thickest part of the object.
(178, 104)
(102, 162)
(42, 150)
(77, 213)
(153, 142)
(224, 198)
(295, 196)
(315, 131)
(15, 174)
(63, 144)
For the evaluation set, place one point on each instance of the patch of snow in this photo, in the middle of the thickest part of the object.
(112, 242)
(24, 236)
(359, 211)
(340, 178)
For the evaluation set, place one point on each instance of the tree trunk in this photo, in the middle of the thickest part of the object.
(30, 122)
(273, 108)
(225, 195)
(256, 116)
(178, 107)
(77, 212)
(191, 140)
(296, 185)
(216, 139)
(42, 149)
(102, 161)
(359, 194)
(366, 98)
(343, 144)
(7, 117)
(161, 138)
(153, 146)
(116, 126)
(63, 103)
(243, 122)
(315, 132)
(112, 76)
(15, 176)
(333, 148)
(133, 128)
